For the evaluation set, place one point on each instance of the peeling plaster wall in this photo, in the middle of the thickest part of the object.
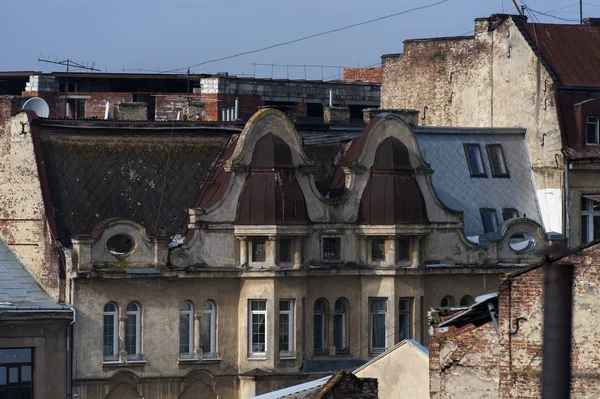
(23, 219)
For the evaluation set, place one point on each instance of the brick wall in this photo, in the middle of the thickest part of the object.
(168, 105)
(365, 75)
(95, 106)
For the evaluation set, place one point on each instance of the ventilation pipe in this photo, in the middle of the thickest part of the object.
(330, 97)
(178, 115)
(223, 114)
(106, 114)
(235, 113)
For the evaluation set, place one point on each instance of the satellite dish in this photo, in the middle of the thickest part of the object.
(37, 105)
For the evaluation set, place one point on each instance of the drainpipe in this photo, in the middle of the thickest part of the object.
(70, 355)
(566, 203)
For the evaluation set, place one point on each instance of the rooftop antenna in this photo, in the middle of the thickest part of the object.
(68, 63)
(517, 7)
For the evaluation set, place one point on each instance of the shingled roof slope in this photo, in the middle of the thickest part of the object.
(151, 179)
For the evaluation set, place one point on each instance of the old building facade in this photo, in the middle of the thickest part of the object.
(515, 73)
(205, 260)
(469, 355)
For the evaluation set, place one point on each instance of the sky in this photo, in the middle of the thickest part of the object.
(160, 35)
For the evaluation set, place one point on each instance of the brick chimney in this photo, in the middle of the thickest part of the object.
(131, 111)
(336, 115)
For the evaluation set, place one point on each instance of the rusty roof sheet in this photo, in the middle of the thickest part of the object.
(571, 51)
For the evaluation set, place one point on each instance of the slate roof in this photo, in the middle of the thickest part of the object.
(443, 150)
(18, 288)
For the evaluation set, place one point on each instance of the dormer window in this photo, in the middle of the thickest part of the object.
(489, 219)
(475, 160)
(497, 162)
(593, 130)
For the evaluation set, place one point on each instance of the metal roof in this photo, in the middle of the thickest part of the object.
(571, 51)
(19, 290)
(298, 391)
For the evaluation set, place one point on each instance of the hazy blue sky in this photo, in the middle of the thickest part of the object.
(166, 34)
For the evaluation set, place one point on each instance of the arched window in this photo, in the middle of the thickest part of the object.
(186, 330)
(208, 329)
(467, 300)
(133, 328)
(447, 301)
(110, 332)
(320, 310)
(339, 326)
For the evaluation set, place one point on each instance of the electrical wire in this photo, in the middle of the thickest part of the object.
(307, 37)
(551, 16)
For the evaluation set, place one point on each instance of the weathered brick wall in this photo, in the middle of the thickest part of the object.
(365, 75)
(350, 387)
(168, 105)
(463, 362)
(95, 107)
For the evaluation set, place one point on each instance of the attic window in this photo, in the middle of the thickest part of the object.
(497, 162)
(593, 130)
(119, 244)
(489, 219)
(475, 160)
(509, 213)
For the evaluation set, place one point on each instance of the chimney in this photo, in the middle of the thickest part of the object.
(410, 116)
(131, 111)
(591, 21)
(336, 115)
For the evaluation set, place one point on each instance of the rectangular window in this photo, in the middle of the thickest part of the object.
(590, 217)
(16, 373)
(592, 130)
(259, 253)
(475, 160)
(405, 318)
(489, 219)
(497, 162)
(377, 249)
(258, 327)
(286, 328)
(402, 249)
(331, 248)
(509, 213)
(378, 310)
(185, 338)
(285, 249)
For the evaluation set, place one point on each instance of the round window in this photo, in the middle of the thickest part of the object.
(120, 244)
(521, 242)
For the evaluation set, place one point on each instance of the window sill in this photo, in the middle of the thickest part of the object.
(262, 356)
(118, 363)
(287, 356)
(199, 361)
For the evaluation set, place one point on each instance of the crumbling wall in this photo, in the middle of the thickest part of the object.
(365, 75)
(463, 362)
(23, 219)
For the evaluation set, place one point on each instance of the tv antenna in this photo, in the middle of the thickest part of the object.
(68, 63)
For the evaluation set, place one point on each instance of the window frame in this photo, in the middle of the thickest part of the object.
(251, 352)
(372, 313)
(482, 211)
(596, 124)
(345, 348)
(339, 248)
(323, 315)
(281, 250)
(468, 299)
(212, 313)
(502, 159)
(450, 299)
(483, 173)
(190, 329)
(19, 366)
(403, 242)
(115, 332)
(588, 215)
(138, 330)
(290, 353)
(405, 312)
(254, 246)
(372, 244)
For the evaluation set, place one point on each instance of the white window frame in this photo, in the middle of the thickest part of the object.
(212, 313)
(371, 332)
(589, 214)
(344, 323)
(190, 327)
(251, 313)
(115, 331)
(291, 334)
(138, 328)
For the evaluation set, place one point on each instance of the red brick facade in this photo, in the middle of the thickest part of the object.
(365, 75)
(473, 356)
